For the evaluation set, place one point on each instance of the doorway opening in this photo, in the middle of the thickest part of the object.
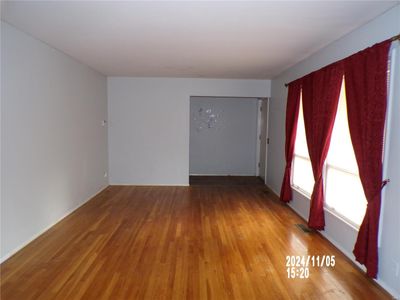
(228, 137)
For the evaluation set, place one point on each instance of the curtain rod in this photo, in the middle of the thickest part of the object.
(393, 38)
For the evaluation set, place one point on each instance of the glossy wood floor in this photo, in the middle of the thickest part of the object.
(200, 242)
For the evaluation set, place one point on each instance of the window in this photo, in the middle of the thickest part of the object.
(344, 194)
(302, 178)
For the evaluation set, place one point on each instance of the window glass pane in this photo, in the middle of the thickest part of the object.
(341, 153)
(302, 174)
(300, 147)
(344, 193)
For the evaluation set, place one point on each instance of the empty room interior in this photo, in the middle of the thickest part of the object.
(200, 150)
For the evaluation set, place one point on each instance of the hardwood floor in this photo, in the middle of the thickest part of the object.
(199, 242)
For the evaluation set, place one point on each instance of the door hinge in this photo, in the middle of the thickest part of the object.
(259, 137)
(267, 141)
(259, 165)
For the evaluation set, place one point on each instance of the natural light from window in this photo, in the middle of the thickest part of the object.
(344, 194)
(343, 190)
(303, 178)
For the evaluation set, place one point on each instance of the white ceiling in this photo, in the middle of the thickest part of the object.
(190, 39)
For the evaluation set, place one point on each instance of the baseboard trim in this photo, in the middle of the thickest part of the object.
(148, 184)
(241, 175)
(70, 211)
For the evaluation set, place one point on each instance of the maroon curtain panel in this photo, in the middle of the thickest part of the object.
(366, 94)
(321, 91)
(292, 115)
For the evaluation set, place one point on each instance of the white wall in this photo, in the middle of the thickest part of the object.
(149, 124)
(385, 26)
(53, 145)
(229, 147)
(389, 257)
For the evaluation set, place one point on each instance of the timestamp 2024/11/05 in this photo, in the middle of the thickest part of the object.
(299, 266)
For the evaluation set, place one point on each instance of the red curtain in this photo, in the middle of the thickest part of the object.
(366, 93)
(321, 90)
(292, 115)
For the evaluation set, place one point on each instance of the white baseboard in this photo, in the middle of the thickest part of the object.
(249, 175)
(275, 192)
(70, 211)
(149, 184)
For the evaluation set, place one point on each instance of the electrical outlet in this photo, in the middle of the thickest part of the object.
(105, 174)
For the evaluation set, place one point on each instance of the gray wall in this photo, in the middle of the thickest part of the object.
(339, 232)
(53, 144)
(229, 146)
(149, 121)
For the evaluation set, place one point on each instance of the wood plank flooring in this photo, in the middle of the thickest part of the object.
(206, 241)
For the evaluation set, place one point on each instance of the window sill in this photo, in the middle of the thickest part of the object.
(301, 191)
(331, 211)
(341, 218)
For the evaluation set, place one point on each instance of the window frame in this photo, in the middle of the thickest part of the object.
(329, 208)
(292, 184)
(326, 167)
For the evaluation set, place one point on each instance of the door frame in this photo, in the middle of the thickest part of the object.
(259, 130)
